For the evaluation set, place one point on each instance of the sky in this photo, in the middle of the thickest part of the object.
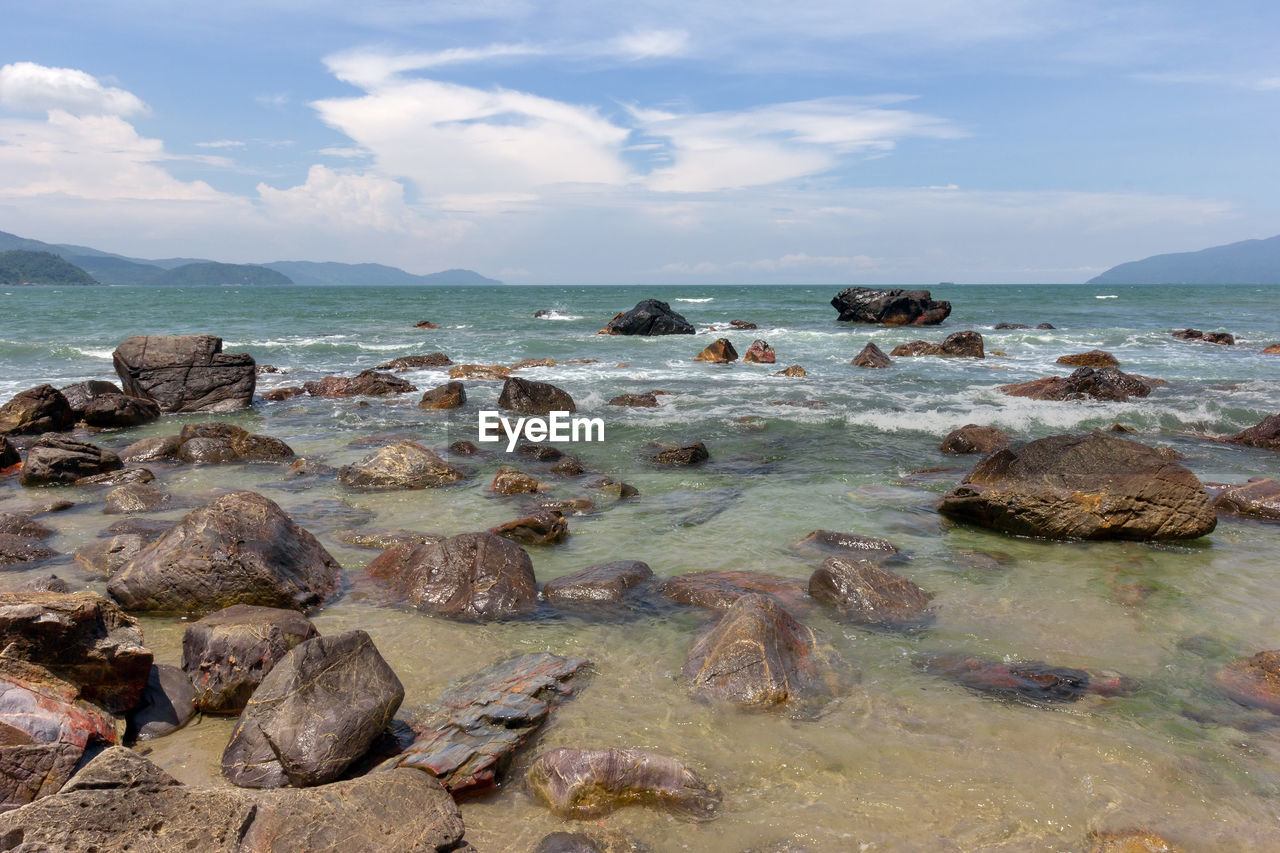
(652, 142)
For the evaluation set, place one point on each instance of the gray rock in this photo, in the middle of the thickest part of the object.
(58, 460)
(135, 497)
(15, 550)
(167, 704)
(227, 654)
(105, 557)
(36, 410)
(185, 373)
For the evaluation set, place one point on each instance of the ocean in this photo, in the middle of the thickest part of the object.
(902, 759)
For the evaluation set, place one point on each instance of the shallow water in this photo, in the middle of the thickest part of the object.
(903, 759)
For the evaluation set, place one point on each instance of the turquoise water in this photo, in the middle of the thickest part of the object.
(903, 760)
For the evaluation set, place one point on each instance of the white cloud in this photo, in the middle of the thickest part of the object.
(28, 86)
(221, 143)
(651, 44)
(336, 198)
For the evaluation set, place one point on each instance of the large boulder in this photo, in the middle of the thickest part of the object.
(1092, 486)
(757, 656)
(534, 398)
(185, 373)
(894, 307)
(36, 410)
(227, 654)
(55, 460)
(168, 703)
(1092, 358)
(868, 594)
(587, 783)
(403, 465)
(1257, 499)
(44, 733)
(1264, 434)
(238, 549)
(1096, 383)
(368, 383)
(81, 638)
(469, 576)
(317, 711)
(649, 317)
(122, 803)
(719, 351)
(481, 720)
(957, 344)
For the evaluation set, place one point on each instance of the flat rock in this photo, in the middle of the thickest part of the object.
(1254, 682)
(641, 401)
(895, 307)
(719, 590)
(185, 373)
(119, 477)
(865, 593)
(1026, 681)
(227, 654)
(526, 363)
(545, 527)
(168, 703)
(135, 497)
(649, 317)
(534, 398)
(720, 351)
(1093, 486)
(581, 784)
(403, 465)
(691, 454)
(58, 460)
(382, 538)
(1094, 383)
(450, 395)
(975, 438)
(36, 410)
(23, 525)
(1092, 358)
(848, 544)
(368, 383)
(417, 362)
(238, 549)
(479, 722)
(1255, 499)
(604, 583)
(480, 372)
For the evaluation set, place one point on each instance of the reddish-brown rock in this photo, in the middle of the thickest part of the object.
(759, 353)
(1257, 499)
(450, 395)
(227, 654)
(1097, 383)
(1265, 434)
(865, 593)
(546, 527)
(973, 438)
(1092, 358)
(580, 783)
(368, 383)
(871, 356)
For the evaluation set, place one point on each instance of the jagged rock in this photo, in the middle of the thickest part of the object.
(119, 477)
(580, 783)
(403, 465)
(1093, 486)
(470, 576)
(167, 704)
(605, 583)
(58, 460)
(848, 544)
(642, 401)
(317, 711)
(1026, 681)
(649, 317)
(479, 372)
(870, 595)
(239, 549)
(759, 353)
(120, 410)
(1257, 499)
(185, 373)
(973, 438)
(270, 368)
(81, 638)
(79, 394)
(105, 557)
(481, 720)
(720, 589)
(959, 344)
(368, 383)
(534, 398)
(15, 550)
(135, 497)
(757, 656)
(512, 481)
(227, 654)
(542, 528)
(1207, 337)
(1098, 383)
(450, 395)
(153, 449)
(23, 525)
(720, 351)
(1092, 358)
(692, 454)
(871, 356)
(894, 307)
(36, 410)
(383, 538)
(416, 362)
(1264, 434)
(795, 371)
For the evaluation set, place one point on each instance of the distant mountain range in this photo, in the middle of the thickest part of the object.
(109, 268)
(1246, 262)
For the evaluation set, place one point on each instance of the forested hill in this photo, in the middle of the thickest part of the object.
(21, 266)
(1246, 262)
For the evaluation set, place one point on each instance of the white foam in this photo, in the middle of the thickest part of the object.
(1108, 296)
(708, 299)
(93, 353)
(557, 315)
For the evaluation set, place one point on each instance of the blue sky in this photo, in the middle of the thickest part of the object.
(649, 142)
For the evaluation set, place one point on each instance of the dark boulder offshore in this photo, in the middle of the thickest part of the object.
(894, 307)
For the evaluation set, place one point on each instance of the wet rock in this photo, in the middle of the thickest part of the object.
(119, 410)
(105, 557)
(480, 372)
(470, 576)
(871, 356)
(185, 373)
(568, 466)
(8, 454)
(546, 527)
(1256, 499)
(270, 368)
(288, 392)
(403, 465)
(1129, 841)
(568, 842)
(450, 395)
(1207, 337)
(58, 460)
(206, 451)
(81, 638)
(135, 497)
(525, 364)
(1272, 349)
(148, 530)
(720, 351)
(481, 720)
(416, 362)
(318, 710)
(23, 525)
(240, 445)
(1092, 358)
(617, 489)
(119, 477)
(572, 506)
(973, 438)
(167, 704)
(867, 594)
(1092, 486)
(368, 383)
(649, 317)
(36, 410)
(642, 401)
(227, 654)
(692, 454)
(894, 307)
(16, 550)
(1253, 682)
(46, 731)
(132, 805)
(581, 784)
(512, 481)
(541, 452)
(464, 448)
(759, 353)
(48, 583)
(757, 656)
(239, 549)
(303, 468)
(1264, 434)
(958, 344)
(795, 371)
(605, 583)
(1025, 681)
(79, 394)
(153, 449)
(534, 398)
(848, 544)
(719, 590)
(1097, 383)
(744, 325)
(384, 538)
(425, 324)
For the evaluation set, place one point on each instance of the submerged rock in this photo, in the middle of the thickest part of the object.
(152, 449)
(895, 307)
(720, 589)
(382, 538)
(546, 527)
(23, 525)
(58, 460)
(1224, 338)
(105, 557)
(416, 362)
(871, 356)
(481, 720)
(1093, 486)
(973, 438)
(135, 497)
(227, 654)
(368, 383)
(581, 783)
(1027, 681)
(185, 373)
(119, 477)
(1253, 682)
(795, 371)
(604, 583)
(643, 401)
(720, 351)
(526, 363)
(870, 595)
(1129, 841)
(649, 317)
(403, 465)
(1097, 383)
(479, 372)
(692, 454)
(36, 410)
(849, 544)
(15, 550)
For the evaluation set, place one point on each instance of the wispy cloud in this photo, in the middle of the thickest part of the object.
(28, 86)
(221, 143)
